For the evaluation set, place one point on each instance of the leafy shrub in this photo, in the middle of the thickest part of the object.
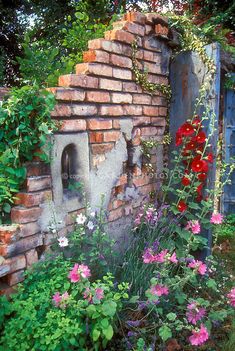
(227, 229)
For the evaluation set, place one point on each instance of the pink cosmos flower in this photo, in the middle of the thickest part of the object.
(200, 336)
(194, 226)
(173, 258)
(199, 265)
(194, 313)
(56, 299)
(161, 256)
(60, 300)
(148, 256)
(231, 297)
(84, 271)
(79, 271)
(216, 218)
(99, 293)
(159, 290)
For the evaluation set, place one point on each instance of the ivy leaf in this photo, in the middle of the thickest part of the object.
(165, 332)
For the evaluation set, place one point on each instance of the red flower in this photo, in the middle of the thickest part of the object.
(196, 121)
(199, 198)
(210, 157)
(199, 165)
(185, 181)
(178, 139)
(201, 137)
(186, 171)
(191, 145)
(182, 206)
(202, 176)
(199, 189)
(186, 129)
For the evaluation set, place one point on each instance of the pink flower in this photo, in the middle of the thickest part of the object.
(159, 290)
(216, 218)
(199, 265)
(79, 271)
(161, 256)
(148, 256)
(231, 297)
(56, 299)
(194, 226)
(87, 295)
(60, 300)
(99, 293)
(194, 313)
(199, 337)
(173, 258)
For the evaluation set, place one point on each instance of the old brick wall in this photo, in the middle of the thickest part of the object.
(102, 102)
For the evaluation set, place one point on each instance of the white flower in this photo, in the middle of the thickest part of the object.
(63, 241)
(90, 225)
(53, 231)
(81, 219)
(92, 214)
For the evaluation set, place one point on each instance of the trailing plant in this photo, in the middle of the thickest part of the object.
(25, 124)
(142, 77)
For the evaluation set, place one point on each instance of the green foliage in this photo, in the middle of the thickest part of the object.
(226, 230)
(36, 324)
(25, 124)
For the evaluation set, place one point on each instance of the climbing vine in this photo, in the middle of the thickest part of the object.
(25, 123)
(142, 77)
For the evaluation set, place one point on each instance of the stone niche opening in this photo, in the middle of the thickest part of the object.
(70, 170)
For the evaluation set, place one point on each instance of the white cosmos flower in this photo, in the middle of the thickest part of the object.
(63, 241)
(90, 225)
(81, 219)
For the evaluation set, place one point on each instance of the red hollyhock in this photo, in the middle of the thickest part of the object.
(201, 137)
(191, 145)
(185, 181)
(199, 189)
(196, 121)
(199, 165)
(178, 139)
(202, 176)
(210, 157)
(186, 129)
(182, 206)
(199, 198)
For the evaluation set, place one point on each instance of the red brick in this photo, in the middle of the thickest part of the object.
(136, 17)
(111, 136)
(116, 124)
(101, 148)
(142, 180)
(25, 215)
(132, 110)
(29, 229)
(142, 99)
(96, 56)
(130, 27)
(110, 84)
(111, 110)
(117, 203)
(148, 131)
(33, 199)
(68, 94)
(150, 110)
(158, 80)
(31, 257)
(120, 61)
(15, 278)
(9, 233)
(160, 101)
(96, 137)
(141, 120)
(161, 30)
(152, 18)
(37, 168)
(74, 80)
(38, 183)
(152, 56)
(158, 121)
(97, 96)
(128, 210)
(21, 246)
(97, 124)
(149, 44)
(122, 73)
(16, 263)
(84, 110)
(122, 180)
(119, 35)
(131, 87)
(73, 125)
(163, 111)
(148, 29)
(114, 47)
(94, 68)
(121, 98)
(152, 67)
(115, 214)
(61, 110)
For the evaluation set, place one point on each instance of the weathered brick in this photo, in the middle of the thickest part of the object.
(16, 263)
(15, 278)
(114, 47)
(33, 199)
(96, 56)
(110, 84)
(84, 110)
(152, 68)
(9, 233)
(150, 110)
(61, 110)
(74, 80)
(121, 98)
(163, 111)
(158, 121)
(146, 189)
(117, 203)
(160, 101)
(97, 124)
(142, 180)
(148, 131)
(122, 180)
(128, 210)
(29, 229)
(130, 27)
(73, 125)
(94, 68)
(31, 257)
(161, 30)
(98, 159)
(119, 35)
(136, 17)
(111, 110)
(21, 246)
(25, 215)
(150, 44)
(68, 94)
(38, 183)
(156, 18)
(37, 168)
(152, 56)
(96, 137)
(158, 80)
(131, 87)
(4, 269)
(101, 148)
(97, 96)
(111, 136)
(132, 110)
(116, 124)
(142, 99)
(115, 214)
(148, 29)
(120, 61)
(141, 120)
(122, 73)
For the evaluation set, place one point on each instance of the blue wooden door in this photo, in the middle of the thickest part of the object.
(228, 201)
